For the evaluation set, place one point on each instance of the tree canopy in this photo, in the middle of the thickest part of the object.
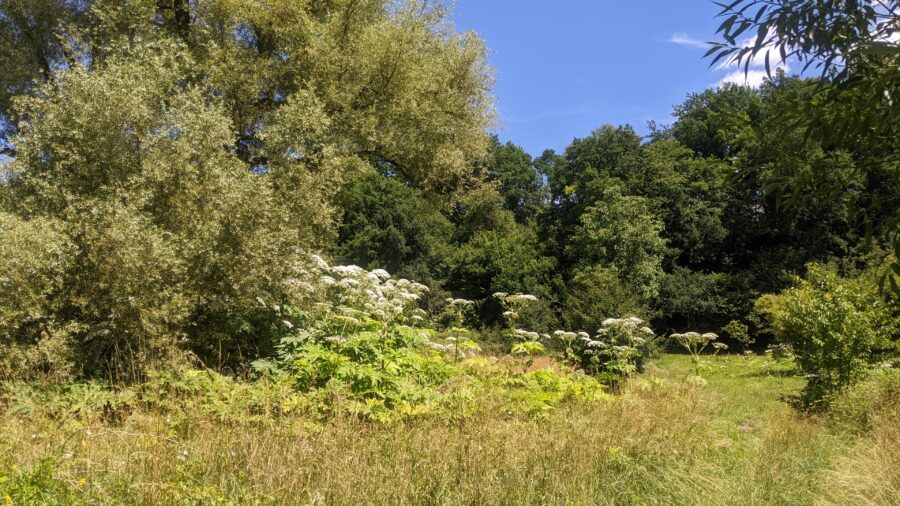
(168, 164)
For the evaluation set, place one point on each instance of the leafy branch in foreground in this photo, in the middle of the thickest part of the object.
(852, 106)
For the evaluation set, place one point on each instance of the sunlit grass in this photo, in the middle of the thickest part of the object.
(660, 441)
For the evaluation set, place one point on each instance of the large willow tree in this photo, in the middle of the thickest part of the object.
(175, 155)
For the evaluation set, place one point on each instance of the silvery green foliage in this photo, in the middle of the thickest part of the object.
(35, 255)
(187, 159)
(381, 79)
(167, 224)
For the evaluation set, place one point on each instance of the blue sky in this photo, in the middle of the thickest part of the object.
(565, 67)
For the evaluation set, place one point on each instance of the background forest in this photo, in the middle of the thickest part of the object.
(167, 161)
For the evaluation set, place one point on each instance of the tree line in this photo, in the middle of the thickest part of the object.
(680, 227)
(166, 163)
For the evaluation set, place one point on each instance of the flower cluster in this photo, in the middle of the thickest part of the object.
(457, 310)
(352, 294)
(695, 343)
(617, 349)
(513, 305)
(525, 343)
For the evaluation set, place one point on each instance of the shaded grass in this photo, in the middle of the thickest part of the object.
(661, 441)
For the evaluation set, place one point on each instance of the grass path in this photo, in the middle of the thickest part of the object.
(766, 452)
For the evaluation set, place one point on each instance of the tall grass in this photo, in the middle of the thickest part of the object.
(660, 441)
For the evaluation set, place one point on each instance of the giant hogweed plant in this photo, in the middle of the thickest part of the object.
(525, 343)
(460, 342)
(695, 343)
(617, 350)
(360, 336)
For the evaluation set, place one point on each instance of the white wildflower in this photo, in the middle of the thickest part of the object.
(320, 263)
(381, 273)
(336, 340)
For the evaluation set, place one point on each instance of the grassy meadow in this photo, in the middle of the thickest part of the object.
(659, 440)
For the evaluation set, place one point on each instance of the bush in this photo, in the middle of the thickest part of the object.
(358, 340)
(739, 332)
(35, 254)
(835, 327)
(365, 347)
(38, 485)
(857, 407)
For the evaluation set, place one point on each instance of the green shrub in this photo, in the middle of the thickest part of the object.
(596, 293)
(360, 340)
(835, 328)
(34, 257)
(365, 344)
(539, 391)
(38, 485)
(739, 332)
(855, 408)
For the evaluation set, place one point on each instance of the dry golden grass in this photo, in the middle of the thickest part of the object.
(658, 442)
(578, 453)
(869, 475)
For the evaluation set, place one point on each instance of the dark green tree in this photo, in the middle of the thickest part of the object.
(518, 181)
(853, 106)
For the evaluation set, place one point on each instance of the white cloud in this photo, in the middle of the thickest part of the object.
(683, 39)
(752, 78)
(755, 74)
(758, 60)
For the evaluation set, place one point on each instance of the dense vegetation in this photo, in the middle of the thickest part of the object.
(224, 215)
